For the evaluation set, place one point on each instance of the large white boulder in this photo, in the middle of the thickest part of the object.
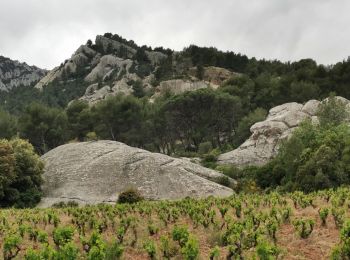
(96, 172)
(267, 135)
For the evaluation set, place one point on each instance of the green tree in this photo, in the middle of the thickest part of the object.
(119, 118)
(22, 169)
(44, 127)
(8, 125)
(80, 120)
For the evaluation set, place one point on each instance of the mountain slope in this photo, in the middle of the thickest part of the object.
(14, 74)
(113, 65)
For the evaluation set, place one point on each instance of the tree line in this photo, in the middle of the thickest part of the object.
(173, 123)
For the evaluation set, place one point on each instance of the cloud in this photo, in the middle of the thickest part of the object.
(45, 33)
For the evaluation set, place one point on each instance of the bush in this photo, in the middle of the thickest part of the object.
(20, 174)
(191, 249)
(114, 251)
(150, 248)
(342, 251)
(181, 235)
(11, 246)
(62, 235)
(304, 227)
(130, 196)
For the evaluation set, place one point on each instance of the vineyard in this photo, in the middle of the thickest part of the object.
(272, 226)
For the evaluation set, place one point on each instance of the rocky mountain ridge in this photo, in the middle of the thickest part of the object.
(112, 66)
(14, 74)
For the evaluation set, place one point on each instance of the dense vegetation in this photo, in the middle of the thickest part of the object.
(20, 174)
(242, 226)
(193, 118)
(315, 157)
(201, 123)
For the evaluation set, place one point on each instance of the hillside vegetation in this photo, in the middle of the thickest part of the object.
(195, 121)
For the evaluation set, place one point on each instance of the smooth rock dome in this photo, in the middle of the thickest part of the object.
(96, 172)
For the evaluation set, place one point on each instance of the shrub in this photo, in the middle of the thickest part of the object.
(323, 215)
(91, 136)
(130, 196)
(63, 235)
(181, 235)
(150, 248)
(167, 246)
(11, 246)
(304, 227)
(114, 251)
(68, 252)
(190, 250)
(152, 229)
(20, 174)
(214, 253)
(266, 251)
(342, 251)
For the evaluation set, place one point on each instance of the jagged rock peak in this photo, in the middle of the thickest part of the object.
(14, 73)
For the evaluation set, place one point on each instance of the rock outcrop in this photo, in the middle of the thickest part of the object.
(117, 65)
(266, 136)
(14, 74)
(111, 64)
(95, 172)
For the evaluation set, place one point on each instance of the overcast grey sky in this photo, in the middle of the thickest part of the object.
(46, 32)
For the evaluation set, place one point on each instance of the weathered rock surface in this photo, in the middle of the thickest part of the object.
(94, 172)
(14, 74)
(266, 136)
(110, 63)
(116, 65)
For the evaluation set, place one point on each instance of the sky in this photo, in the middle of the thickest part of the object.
(46, 32)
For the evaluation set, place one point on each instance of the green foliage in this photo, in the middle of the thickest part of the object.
(68, 251)
(138, 89)
(267, 251)
(130, 196)
(215, 253)
(114, 251)
(150, 248)
(181, 235)
(8, 125)
(342, 251)
(43, 126)
(205, 148)
(21, 170)
(152, 229)
(80, 120)
(243, 129)
(190, 250)
(63, 235)
(323, 212)
(11, 247)
(303, 162)
(332, 111)
(106, 231)
(304, 227)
